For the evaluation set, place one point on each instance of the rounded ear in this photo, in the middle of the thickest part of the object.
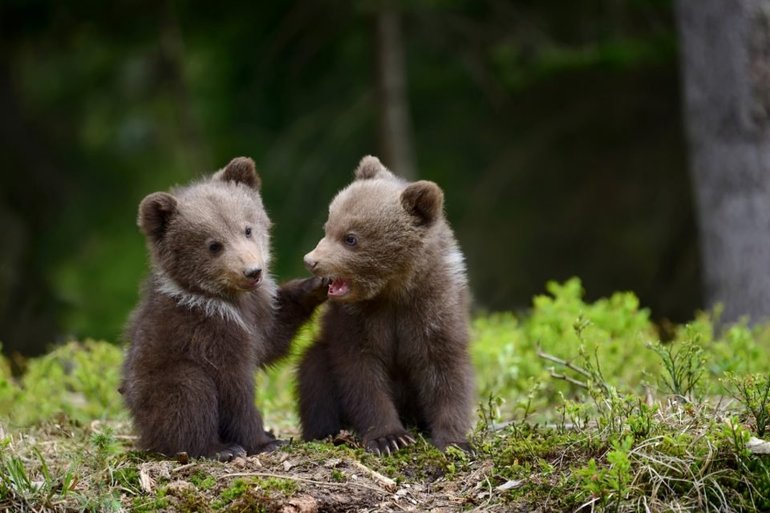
(424, 200)
(371, 167)
(240, 170)
(155, 212)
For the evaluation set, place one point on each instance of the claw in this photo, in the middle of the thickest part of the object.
(372, 447)
(230, 453)
(390, 443)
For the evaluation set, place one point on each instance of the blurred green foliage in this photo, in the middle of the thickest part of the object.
(612, 334)
(78, 380)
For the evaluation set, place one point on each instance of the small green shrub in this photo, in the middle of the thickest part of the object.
(684, 364)
(78, 379)
(753, 392)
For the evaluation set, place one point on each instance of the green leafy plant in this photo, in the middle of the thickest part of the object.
(684, 364)
(753, 392)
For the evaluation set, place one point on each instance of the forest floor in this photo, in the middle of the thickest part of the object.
(93, 468)
(688, 459)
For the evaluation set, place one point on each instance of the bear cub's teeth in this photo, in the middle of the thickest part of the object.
(338, 287)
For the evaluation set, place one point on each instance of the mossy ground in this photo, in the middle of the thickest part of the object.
(580, 408)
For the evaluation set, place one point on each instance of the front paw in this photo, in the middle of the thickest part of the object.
(308, 292)
(230, 452)
(390, 443)
(316, 289)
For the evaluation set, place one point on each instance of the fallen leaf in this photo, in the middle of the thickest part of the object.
(145, 481)
(510, 485)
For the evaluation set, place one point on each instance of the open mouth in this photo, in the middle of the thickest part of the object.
(251, 284)
(338, 287)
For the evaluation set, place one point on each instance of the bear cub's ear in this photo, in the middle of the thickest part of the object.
(371, 167)
(155, 212)
(424, 200)
(241, 170)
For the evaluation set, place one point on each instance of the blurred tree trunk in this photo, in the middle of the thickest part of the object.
(32, 193)
(725, 56)
(395, 130)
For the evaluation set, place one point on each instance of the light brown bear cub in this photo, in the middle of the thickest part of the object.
(393, 347)
(209, 316)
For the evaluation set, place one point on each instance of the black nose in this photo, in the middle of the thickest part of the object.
(252, 273)
(310, 263)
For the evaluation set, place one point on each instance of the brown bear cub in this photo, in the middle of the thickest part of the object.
(209, 316)
(393, 347)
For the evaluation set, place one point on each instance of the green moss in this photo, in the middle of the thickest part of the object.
(283, 486)
(191, 501)
(126, 477)
(203, 480)
(151, 504)
(237, 488)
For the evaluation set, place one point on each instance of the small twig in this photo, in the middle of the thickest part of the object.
(303, 480)
(564, 363)
(569, 380)
(386, 482)
(183, 467)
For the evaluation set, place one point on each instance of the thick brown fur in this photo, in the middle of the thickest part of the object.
(393, 350)
(209, 315)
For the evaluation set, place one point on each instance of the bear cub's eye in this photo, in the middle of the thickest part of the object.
(350, 240)
(215, 247)
(248, 231)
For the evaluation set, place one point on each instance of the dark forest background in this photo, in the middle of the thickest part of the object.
(554, 127)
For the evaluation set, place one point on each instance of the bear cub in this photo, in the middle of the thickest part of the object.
(209, 315)
(393, 346)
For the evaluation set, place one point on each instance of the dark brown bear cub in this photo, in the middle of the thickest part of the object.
(393, 348)
(209, 316)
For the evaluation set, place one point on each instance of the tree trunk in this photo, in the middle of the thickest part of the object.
(725, 55)
(395, 129)
(33, 190)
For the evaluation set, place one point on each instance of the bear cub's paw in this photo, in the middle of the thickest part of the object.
(389, 443)
(307, 292)
(230, 452)
(316, 288)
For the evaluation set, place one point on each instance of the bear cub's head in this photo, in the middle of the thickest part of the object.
(377, 230)
(211, 237)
